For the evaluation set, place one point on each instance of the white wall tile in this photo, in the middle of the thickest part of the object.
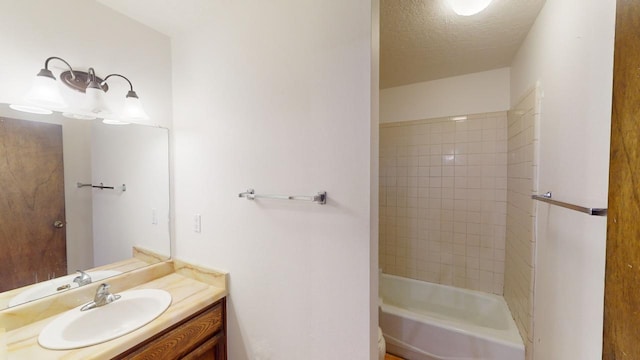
(458, 190)
(518, 243)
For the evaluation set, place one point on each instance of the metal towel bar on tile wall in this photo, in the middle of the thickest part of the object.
(546, 197)
(320, 199)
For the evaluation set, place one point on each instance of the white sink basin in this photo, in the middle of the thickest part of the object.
(57, 285)
(75, 329)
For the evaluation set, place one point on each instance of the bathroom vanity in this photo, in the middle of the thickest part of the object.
(192, 327)
(200, 336)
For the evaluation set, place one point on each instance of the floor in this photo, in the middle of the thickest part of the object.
(391, 357)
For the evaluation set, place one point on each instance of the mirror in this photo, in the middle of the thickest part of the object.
(81, 195)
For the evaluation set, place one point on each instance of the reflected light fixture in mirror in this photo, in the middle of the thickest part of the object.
(468, 7)
(31, 109)
(114, 122)
(44, 97)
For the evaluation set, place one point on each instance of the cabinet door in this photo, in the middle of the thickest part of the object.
(213, 349)
(184, 338)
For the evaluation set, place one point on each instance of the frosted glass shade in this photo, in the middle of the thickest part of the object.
(95, 102)
(45, 94)
(468, 7)
(133, 109)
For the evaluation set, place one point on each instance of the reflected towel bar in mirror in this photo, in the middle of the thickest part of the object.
(546, 197)
(320, 198)
(101, 186)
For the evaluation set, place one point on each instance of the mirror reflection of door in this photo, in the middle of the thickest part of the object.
(32, 205)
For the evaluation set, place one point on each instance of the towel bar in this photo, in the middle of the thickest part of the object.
(546, 197)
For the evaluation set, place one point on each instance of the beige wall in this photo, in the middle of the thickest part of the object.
(443, 200)
(521, 183)
(481, 92)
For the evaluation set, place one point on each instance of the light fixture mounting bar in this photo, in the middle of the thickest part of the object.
(81, 80)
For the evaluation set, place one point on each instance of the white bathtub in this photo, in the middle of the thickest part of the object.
(425, 321)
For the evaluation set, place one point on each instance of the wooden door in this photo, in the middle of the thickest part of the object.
(622, 280)
(32, 200)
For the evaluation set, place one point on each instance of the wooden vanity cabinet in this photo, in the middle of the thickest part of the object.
(199, 336)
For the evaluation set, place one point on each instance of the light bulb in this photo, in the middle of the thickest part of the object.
(95, 102)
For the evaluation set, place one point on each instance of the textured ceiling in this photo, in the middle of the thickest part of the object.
(425, 40)
(420, 40)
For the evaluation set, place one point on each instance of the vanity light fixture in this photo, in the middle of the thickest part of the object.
(95, 102)
(468, 7)
(45, 97)
(44, 94)
(133, 109)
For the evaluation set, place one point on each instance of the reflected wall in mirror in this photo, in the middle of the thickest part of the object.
(50, 226)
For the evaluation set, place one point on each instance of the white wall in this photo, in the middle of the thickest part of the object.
(138, 157)
(32, 30)
(278, 96)
(523, 142)
(570, 51)
(481, 92)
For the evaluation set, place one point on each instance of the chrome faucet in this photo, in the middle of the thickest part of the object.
(102, 298)
(82, 279)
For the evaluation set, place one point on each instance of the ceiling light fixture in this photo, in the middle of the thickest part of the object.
(44, 97)
(468, 7)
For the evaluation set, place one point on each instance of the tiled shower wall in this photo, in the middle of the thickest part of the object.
(443, 193)
(521, 183)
